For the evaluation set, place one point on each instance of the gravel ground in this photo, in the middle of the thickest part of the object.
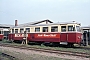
(35, 54)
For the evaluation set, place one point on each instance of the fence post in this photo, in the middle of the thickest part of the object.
(86, 40)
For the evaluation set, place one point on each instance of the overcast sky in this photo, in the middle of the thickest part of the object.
(34, 10)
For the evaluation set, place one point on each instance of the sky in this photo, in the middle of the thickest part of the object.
(34, 10)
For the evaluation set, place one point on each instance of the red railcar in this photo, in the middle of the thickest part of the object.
(68, 37)
(1, 34)
(64, 33)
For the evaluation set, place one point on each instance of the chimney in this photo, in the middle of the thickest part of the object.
(16, 22)
(46, 21)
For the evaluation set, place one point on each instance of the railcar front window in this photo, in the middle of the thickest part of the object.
(45, 29)
(28, 29)
(37, 29)
(78, 28)
(21, 30)
(54, 29)
(63, 28)
(9, 31)
(16, 30)
(71, 28)
(12, 30)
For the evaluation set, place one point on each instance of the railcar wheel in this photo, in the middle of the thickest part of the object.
(46, 43)
(38, 43)
(55, 44)
(1, 39)
(70, 45)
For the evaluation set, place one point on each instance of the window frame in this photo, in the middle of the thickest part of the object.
(16, 30)
(37, 28)
(45, 29)
(0, 32)
(21, 30)
(27, 29)
(12, 30)
(78, 30)
(71, 28)
(53, 28)
(65, 29)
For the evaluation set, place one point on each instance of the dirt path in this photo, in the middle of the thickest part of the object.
(29, 52)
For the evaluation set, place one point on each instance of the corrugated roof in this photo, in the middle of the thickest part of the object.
(6, 25)
(28, 25)
(85, 27)
(25, 24)
(33, 23)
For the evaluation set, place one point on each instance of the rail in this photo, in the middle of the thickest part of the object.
(9, 56)
(49, 50)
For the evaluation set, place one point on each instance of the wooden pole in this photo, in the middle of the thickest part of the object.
(26, 38)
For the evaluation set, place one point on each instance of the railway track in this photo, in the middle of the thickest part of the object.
(49, 50)
(9, 56)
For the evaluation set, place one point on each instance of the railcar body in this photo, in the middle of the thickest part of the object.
(63, 33)
(1, 34)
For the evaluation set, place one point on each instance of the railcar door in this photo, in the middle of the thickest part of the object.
(63, 35)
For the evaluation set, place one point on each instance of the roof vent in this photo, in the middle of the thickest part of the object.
(74, 21)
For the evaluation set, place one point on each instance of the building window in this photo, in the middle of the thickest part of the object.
(16, 30)
(12, 30)
(71, 28)
(37, 29)
(54, 29)
(28, 29)
(63, 28)
(45, 29)
(21, 30)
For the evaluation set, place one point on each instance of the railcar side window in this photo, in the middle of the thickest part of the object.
(54, 29)
(63, 28)
(16, 30)
(9, 31)
(21, 30)
(71, 28)
(0, 32)
(45, 29)
(12, 30)
(6, 33)
(28, 29)
(37, 29)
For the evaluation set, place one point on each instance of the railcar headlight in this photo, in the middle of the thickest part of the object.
(79, 37)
